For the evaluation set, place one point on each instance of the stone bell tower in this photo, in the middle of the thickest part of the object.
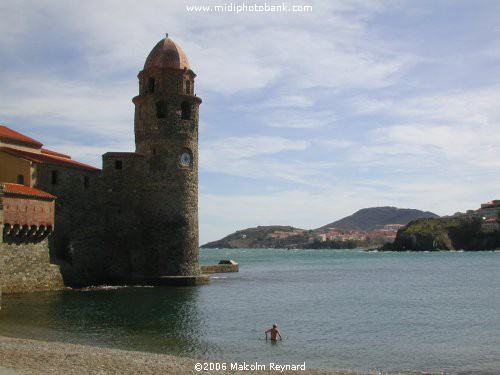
(166, 136)
(151, 195)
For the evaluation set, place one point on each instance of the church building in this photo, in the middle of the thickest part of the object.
(133, 222)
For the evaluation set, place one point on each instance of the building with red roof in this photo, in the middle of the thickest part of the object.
(26, 210)
(20, 156)
(40, 188)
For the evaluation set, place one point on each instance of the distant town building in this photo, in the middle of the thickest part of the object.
(490, 225)
(395, 227)
(490, 209)
(320, 237)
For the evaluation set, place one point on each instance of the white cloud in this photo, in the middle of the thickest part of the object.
(259, 157)
(73, 104)
(455, 130)
(336, 143)
(466, 106)
(287, 101)
(244, 147)
(296, 119)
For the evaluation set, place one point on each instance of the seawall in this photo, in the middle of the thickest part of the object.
(223, 267)
(26, 267)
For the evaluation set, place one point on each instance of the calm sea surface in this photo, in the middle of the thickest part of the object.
(336, 309)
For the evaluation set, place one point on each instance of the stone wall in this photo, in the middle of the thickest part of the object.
(27, 268)
(220, 268)
(122, 178)
(77, 242)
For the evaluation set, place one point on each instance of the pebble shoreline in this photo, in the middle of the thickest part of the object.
(41, 357)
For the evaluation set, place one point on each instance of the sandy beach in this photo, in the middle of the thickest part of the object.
(21, 356)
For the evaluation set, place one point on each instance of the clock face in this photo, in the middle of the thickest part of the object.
(185, 159)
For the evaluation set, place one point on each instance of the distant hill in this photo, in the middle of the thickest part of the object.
(249, 238)
(369, 219)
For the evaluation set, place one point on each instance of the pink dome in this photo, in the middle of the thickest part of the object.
(167, 54)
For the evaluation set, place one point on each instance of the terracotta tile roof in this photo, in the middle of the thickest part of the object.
(167, 54)
(50, 152)
(26, 191)
(11, 135)
(47, 159)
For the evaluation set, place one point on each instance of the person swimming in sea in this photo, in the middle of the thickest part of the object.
(275, 333)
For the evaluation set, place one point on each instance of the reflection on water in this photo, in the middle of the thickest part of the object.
(336, 309)
(163, 320)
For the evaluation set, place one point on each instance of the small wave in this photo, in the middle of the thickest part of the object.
(111, 287)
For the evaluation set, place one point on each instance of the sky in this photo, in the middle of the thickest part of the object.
(306, 118)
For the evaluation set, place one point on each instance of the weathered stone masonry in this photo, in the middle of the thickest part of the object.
(152, 194)
(136, 221)
(27, 217)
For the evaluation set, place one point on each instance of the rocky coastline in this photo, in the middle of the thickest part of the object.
(438, 234)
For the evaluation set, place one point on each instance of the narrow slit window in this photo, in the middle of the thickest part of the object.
(186, 111)
(151, 84)
(161, 109)
(55, 177)
(118, 164)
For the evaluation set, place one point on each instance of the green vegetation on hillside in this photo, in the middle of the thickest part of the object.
(444, 234)
(257, 237)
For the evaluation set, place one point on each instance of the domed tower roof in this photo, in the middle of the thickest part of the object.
(167, 54)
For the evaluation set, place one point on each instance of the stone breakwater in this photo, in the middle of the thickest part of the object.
(40, 357)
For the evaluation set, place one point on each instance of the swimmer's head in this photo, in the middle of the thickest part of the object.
(275, 325)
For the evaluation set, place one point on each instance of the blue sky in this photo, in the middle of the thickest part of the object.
(306, 117)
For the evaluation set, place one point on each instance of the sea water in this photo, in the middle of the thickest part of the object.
(336, 309)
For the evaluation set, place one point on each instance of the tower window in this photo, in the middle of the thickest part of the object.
(151, 85)
(161, 109)
(186, 111)
(55, 177)
(188, 87)
(20, 179)
(118, 164)
(86, 182)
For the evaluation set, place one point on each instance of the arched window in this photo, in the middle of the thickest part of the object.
(161, 109)
(151, 84)
(20, 179)
(188, 87)
(186, 111)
